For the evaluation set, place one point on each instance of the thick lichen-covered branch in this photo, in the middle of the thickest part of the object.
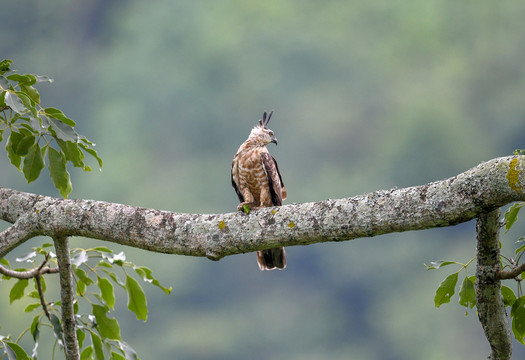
(476, 193)
(67, 297)
(448, 202)
(491, 309)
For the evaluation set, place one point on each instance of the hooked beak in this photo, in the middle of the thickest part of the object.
(274, 140)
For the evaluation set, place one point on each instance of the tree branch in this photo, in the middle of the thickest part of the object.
(443, 203)
(41, 270)
(67, 297)
(38, 279)
(21, 231)
(511, 274)
(491, 310)
(476, 193)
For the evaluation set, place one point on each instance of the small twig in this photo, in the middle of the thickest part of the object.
(39, 271)
(41, 295)
(511, 274)
(46, 258)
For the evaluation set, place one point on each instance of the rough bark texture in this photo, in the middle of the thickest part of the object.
(491, 310)
(66, 297)
(472, 194)
(443, 203)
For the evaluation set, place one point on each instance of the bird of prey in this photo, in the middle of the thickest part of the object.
(257, 181)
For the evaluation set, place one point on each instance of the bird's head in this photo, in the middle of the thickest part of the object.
(261, 134)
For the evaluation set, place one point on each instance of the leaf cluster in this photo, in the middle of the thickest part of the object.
(96, 273)
(447, 288)
(34, 132)
(467, 294)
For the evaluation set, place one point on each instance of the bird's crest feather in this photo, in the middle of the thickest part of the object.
(266, 119)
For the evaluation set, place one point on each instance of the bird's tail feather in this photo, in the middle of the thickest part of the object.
(271, 259)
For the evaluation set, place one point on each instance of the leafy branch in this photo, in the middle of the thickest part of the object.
(35, 131)
(467, 294)
(95, 279)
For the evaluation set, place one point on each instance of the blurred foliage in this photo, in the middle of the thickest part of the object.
(31, 131)
(94, 299)
(367, 95)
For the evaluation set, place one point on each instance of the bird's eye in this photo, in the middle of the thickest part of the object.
(271, 133)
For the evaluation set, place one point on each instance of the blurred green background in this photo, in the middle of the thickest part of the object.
(368, 95)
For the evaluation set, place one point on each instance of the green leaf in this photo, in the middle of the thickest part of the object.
(81, 335)
(27, 103)
(107, 327)
(117, 356)
(83, 280)
(136, 298)
(24, 144)
(106, 291)
(72, 152)
(104, 263)
(31, 93)
(33, 163)
(103, 249)
(511, 215)
(92, 153)
(62, 131)
(5, 65)
(12, 144)
(446, 289)
(518, 319)
(17, 291)
(86, 353)
(438, 264)
(508, 295)
(34, 295)
(15, 103)
(28, 79)
(114, 277)
(59, 173)
(146, 274)
(82, 276)
(97, 345)
(31, 307)
(57, 328)
(19, 353)
(81, 288)
(4, 262)
(467, 293)
(520, 249)
(59, 115)
(35, 332)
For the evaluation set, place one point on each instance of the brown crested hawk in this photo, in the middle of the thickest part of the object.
(258, 183)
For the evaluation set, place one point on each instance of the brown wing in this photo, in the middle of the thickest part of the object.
(275, 182)
(234, 183)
